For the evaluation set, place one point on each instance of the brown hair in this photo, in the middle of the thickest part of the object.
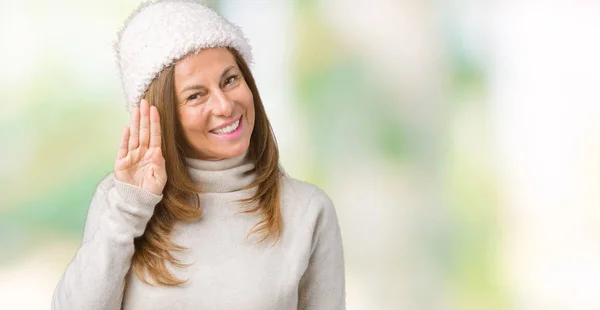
(153, 249)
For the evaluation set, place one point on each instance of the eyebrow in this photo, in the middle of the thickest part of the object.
(197, 86)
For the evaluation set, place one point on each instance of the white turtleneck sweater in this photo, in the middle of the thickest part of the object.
(303, 270)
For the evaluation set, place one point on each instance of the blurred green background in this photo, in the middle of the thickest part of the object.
(459, 140)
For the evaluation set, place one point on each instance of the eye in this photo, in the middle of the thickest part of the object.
(193, 97)
(231, 79)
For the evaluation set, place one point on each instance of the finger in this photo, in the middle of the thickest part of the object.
(155, 133)
(122, 151)
(144, 124)
(134, 128)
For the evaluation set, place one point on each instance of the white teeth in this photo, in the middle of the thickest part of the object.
(229, 129)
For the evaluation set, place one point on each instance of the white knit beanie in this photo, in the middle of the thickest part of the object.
(158, 33)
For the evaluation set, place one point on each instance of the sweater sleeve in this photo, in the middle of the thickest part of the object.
(322, 285)
(95, 278)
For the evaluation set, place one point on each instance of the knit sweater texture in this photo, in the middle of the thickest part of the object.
(303, 270)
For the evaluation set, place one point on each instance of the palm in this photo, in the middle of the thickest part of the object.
(139, 160)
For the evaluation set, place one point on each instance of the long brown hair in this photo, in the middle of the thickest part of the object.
(153, 250)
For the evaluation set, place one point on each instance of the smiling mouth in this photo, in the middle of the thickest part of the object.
(228, 129)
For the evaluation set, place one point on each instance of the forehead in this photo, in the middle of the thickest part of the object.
(205, 63)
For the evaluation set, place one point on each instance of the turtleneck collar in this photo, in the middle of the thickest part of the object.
(221, 176)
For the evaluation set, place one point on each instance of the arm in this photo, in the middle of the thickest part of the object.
(95, 278)
(120, 209)
(323, 284)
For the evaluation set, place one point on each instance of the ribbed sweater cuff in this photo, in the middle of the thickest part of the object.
(135, 195)
(130, 209)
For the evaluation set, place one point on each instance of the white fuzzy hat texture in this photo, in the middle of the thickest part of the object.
(158, 33)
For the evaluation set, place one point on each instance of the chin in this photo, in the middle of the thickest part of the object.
(235, 151)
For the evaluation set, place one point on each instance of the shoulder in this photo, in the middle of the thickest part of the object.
(309, 208)
(306, 195)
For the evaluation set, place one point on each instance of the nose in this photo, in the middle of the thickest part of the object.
(221, 104)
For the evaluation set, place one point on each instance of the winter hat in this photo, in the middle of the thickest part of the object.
(158, 33)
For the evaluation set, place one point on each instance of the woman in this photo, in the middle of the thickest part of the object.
(197, 213)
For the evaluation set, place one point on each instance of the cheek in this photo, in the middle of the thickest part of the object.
(250, 113)
(192, 120)
(248, 103)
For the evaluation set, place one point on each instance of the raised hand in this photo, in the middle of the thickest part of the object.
(139, 158)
